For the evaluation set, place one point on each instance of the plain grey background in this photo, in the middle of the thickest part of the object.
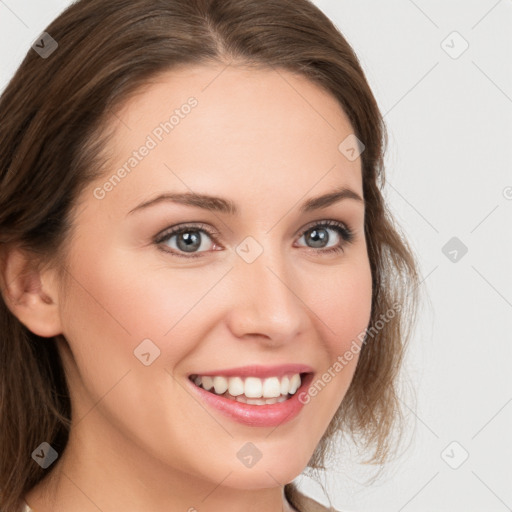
(442, 75)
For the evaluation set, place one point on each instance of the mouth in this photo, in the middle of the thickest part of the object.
(250, 389)
(254, 395)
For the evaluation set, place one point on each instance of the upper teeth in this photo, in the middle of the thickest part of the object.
(251, 387)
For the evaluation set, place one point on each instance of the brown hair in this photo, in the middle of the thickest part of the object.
(52, 116)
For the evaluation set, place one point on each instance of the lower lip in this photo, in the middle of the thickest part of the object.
(256, 415)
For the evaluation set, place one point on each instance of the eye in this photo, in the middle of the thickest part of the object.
(318, 235)
(188, 241)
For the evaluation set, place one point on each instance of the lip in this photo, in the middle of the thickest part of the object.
(258, 371)
(255, 415)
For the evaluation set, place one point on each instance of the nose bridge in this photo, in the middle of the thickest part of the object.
(266, 302)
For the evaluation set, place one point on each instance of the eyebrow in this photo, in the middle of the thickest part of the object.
(221, 205)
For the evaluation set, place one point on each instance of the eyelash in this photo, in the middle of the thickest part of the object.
(344, 231)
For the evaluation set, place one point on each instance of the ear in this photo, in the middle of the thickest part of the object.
(30, 294)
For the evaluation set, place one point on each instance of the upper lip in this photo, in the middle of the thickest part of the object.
(258, 371)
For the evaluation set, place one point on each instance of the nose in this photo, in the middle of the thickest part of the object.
(266, 303)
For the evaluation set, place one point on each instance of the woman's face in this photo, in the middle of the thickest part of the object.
(258, 293)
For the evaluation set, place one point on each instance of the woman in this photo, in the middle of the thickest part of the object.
(202, 286)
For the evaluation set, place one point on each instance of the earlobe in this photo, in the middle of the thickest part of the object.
(31, 295)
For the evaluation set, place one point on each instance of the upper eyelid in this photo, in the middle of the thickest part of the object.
(327, 222)
(174, 230)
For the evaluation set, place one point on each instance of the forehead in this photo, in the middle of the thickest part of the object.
(219, 126)
(229, 85)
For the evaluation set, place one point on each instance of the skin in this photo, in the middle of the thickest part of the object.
(268, 141)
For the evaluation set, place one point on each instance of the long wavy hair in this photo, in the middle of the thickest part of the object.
(52, 118)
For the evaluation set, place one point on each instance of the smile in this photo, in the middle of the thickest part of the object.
(251, 390)
(255, 396)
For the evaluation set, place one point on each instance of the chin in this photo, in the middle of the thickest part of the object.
(264, 475)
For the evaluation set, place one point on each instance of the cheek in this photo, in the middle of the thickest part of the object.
(123, 300)
(344, 304)
(110, 308)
